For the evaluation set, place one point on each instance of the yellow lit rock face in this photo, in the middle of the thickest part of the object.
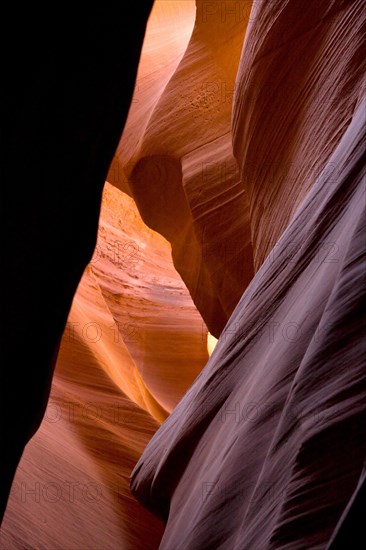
(211, 343)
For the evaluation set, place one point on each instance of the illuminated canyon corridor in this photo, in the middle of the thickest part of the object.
(183, 250)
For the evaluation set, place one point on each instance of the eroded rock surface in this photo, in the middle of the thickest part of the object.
(133, 344)
(266, 448)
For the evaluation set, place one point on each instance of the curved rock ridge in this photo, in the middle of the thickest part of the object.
(180, 160)
(133, 344)
(167, 35)
(267, 446)
(301, 70)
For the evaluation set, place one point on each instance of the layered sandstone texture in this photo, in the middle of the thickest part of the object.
(176, 157)
(133, 344)
(235, 205)
(267, 448)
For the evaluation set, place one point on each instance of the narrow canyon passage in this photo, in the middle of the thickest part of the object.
(202, 277)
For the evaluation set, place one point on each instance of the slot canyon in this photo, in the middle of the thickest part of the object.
(183, 251)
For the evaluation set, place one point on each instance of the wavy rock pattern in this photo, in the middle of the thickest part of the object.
(133, 344)
(288, 115)
(267, 447)
(244, 148)
(183, 163)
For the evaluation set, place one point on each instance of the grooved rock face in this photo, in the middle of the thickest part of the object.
(299, 79)
(266, 448)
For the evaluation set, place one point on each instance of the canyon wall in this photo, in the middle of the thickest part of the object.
(182, 162)
(235, 205)
(68, 85)
(267, 447)
(133, 344)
